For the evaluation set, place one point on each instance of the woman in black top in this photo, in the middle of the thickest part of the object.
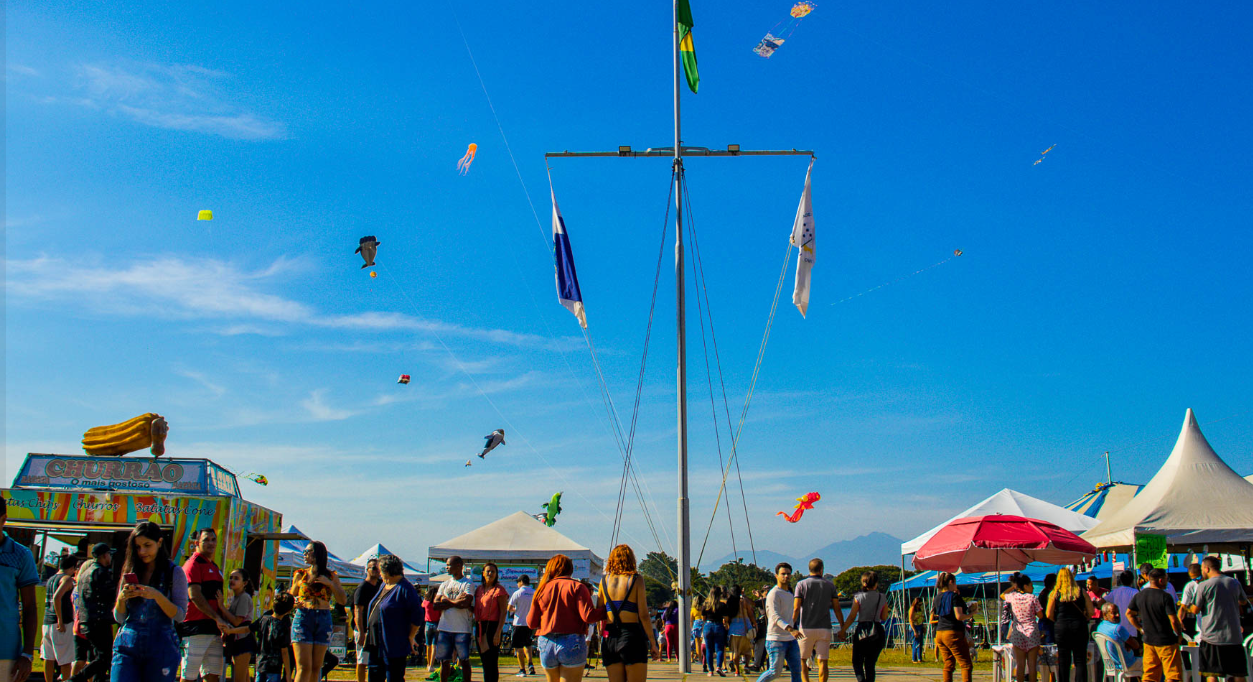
(1070, 609)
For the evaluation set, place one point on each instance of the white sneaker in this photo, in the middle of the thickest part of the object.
(519, 674)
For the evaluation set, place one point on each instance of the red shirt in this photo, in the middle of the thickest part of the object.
(487, 603)
(202, 571)
(564, 607)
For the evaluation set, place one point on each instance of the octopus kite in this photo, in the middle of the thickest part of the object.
(806, 502)
(464, 164)
(784, 29)
(1037, 161)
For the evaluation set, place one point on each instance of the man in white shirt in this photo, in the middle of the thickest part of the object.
(1121, 596)
(781, 632)
(520, 606)
(455, 599)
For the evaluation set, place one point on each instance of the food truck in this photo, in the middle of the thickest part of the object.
(81, 500)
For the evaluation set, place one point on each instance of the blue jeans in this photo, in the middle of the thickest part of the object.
(562, 651)
(782, 651)
(916, 651)
(269, 677)
(311, 626)
(146, 647)
(715, 645)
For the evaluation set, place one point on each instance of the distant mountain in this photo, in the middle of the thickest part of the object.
(872, 549)
(866, 550)
(765, 558)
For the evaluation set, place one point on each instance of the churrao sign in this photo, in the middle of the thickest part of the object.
(157, 475)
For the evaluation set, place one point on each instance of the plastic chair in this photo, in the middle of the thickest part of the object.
(1113, 669)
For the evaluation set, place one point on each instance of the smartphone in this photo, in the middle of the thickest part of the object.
(131, 578)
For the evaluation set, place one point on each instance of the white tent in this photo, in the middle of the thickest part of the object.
(520, 539)
(414, 575)
(1014, 503)
(1194, 499)
(291, 556)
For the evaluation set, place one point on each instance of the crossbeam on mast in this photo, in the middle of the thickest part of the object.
(668, 152)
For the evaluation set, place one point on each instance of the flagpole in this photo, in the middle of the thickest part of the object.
(685, 541)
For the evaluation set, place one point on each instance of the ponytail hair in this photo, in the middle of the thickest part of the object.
(944, 579)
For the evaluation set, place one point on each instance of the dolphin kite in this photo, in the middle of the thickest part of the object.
(491, 441)
(368, 248)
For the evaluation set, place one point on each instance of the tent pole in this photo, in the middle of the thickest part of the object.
(999, 610)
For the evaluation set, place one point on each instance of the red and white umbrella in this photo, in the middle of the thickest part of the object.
(998, 542)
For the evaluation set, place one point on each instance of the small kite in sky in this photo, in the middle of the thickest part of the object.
(374, 274)
(464, 164)
(1037, 161)
(784, 29)
(204, 215)
(492, 441)
(368, 248)
(404, 379)
(957, 252)
(258, 479)
(806, 502)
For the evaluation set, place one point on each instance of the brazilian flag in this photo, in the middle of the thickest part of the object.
(686, 50)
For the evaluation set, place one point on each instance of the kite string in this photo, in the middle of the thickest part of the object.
(898, 279)
(543, 235)
(461, 367)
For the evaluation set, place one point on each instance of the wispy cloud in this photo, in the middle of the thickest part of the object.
(199, 377)
(316, 405)
(216, 290)
(172, 96)
(23, 70)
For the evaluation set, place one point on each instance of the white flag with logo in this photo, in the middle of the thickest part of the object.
(803, 238)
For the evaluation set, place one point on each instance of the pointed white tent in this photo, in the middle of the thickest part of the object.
(1014, 503)
(291, 557)
(1194, 499)
(518, 539)
(415, 576)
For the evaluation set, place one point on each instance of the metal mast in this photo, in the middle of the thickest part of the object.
(685, 540)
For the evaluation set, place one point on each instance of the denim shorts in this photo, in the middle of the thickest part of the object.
(269, 677)
(562, 651)
(311, 626)
(445, 642)
(432, 632)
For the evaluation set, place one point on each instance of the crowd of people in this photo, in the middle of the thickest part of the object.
(1138, 627)
(187, 622)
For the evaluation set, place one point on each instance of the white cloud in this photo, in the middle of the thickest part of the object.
(213, 289)
(316, 405)
(172, 96)
(23, 70)
(199, 377)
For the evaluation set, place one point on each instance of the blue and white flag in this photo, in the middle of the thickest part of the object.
(567, 280)
(803, 238)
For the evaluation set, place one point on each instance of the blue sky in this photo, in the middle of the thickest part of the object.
(1101, 292)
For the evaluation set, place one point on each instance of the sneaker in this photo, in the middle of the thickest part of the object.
(532, 671)
(520, 673)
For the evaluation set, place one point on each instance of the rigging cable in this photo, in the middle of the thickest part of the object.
(614, 421)
(718, 359)
(752, 384)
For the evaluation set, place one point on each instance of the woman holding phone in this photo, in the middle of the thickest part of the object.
(150, 600)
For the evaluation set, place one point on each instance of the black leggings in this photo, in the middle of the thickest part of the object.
(1072, 649)
(865, 656)
(489, 658)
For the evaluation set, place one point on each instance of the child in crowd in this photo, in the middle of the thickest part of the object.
(273, 633)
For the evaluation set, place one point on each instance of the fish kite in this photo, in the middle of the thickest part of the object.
(806, 502)
(1037, 161)
(368, 247)
(491, 442)
(784, 29)
(551, 509)
(463, 166)
(258, 479)
(404, 379)
(145, 431)
(204, 215)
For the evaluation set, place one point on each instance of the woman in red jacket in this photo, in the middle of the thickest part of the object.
(560, 613)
